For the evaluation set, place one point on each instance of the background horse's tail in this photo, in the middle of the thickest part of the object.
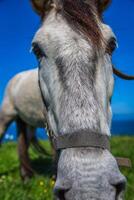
(3, 126)
(7, 110)
(38, 147)
(31, 135)
(8, 113)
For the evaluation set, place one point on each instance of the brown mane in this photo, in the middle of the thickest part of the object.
(82, 17)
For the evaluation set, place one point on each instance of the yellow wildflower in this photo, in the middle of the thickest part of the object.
(41, 183)
(45, 191)
(52, 183)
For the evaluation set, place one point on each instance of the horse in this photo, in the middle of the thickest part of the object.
(74, 49)
(23, 104)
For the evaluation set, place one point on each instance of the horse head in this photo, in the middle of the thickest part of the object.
(74, 49)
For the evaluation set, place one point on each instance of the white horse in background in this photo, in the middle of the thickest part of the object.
(23, 104)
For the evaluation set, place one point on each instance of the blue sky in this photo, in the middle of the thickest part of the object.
(18, 24)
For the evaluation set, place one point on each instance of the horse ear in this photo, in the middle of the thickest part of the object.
(103, 4)
(39, 6)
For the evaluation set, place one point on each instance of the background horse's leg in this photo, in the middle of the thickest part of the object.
(23, 145)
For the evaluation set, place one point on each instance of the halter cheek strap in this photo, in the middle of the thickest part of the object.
(85, 138)
(122, 75)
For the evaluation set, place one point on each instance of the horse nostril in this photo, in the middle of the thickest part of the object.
(120, 188)
(60, 193)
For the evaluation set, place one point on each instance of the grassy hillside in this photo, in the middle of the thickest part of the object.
(40, 187)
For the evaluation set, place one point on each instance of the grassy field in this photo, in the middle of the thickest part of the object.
(40, 187)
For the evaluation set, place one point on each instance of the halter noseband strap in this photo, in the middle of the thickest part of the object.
(82, 139)
(85, 138)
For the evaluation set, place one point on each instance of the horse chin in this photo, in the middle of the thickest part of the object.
(85, 174)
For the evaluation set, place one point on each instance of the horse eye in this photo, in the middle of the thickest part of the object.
(112, 44)
(37, 51)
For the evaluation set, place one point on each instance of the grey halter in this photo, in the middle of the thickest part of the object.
(83, 138)
(86, 139)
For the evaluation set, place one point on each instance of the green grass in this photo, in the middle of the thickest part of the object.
(40, 187)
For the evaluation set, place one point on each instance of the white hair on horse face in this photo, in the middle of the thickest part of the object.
(43, 36)
(79, 85)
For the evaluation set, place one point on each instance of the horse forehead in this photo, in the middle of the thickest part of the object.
(51, 26)
(55, 31)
